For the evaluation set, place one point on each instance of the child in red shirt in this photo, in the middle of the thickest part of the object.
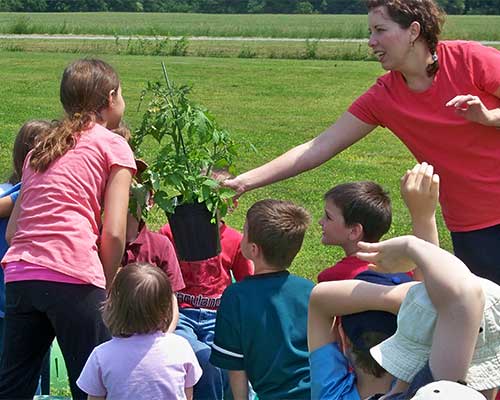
(354, 212)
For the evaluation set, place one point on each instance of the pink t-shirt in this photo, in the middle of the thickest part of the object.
(60, 215)
(154, 366)
(465, 154)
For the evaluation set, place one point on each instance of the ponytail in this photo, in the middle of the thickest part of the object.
(57, 141)
(84, 92)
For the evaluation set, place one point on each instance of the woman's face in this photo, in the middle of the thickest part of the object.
(390, 43)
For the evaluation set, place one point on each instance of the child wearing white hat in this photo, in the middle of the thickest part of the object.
(446, 390)
(448, 327)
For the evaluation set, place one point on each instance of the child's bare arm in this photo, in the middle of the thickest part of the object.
(455, 292)
(89, 397)
(115, 220)
(420, 192)
(6, 206)
(189, 393)
(175, 314)
(12, 224)
(239, 384)
(329, 299)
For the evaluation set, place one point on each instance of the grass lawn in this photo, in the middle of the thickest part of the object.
(259, 25)
(274, 104)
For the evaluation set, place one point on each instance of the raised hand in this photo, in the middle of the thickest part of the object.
(420, 192)
(389, 256)
(472, 108)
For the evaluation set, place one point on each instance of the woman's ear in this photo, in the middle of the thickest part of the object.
(415, 30)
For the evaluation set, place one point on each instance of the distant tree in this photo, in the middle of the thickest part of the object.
(345, 7)
(124, 5)
(236, 6)
(453, 6)
(153, 6)
(483, 7)
(256, 6)
(29, 5)
(304, 7)
(96, 5)
(5, 5)
(58, 5)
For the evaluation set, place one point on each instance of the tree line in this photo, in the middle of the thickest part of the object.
(232, 6)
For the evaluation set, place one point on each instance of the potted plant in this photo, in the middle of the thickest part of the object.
(188, 146)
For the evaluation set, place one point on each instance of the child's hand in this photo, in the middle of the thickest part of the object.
(420, 191)
(389, 256)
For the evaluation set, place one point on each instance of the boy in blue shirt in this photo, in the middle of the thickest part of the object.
(261, 326)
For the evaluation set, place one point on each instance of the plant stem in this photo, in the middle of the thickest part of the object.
(179, 130)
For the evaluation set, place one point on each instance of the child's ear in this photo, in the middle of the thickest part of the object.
(356, 233)
(255, 251)
(111, 97)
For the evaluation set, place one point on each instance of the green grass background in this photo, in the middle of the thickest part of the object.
(274, 104)
(259, 25)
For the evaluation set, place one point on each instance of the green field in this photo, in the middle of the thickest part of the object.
(252, 25)
(273, 104)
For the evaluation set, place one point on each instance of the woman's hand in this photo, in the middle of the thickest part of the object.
(472, 108)
(236, 184)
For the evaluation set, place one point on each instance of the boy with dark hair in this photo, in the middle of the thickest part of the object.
(354, 211)
(260, 333)
(443, 303)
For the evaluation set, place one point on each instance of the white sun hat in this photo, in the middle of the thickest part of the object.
(405, 353)
(446, 390)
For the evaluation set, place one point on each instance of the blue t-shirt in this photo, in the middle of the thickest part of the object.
(332, 379)
(261, 328)
(330, 375)
(6, 189)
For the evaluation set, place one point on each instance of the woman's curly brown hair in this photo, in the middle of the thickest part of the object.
(427, 13)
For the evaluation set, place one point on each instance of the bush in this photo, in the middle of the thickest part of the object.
(304, 7)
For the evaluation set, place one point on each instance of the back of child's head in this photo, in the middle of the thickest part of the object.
(365, 203)
(84, 93)
(367, 329)
(140, 301)
(278, 228)
(28, 135)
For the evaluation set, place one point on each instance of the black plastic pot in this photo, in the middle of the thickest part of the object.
(195, 237)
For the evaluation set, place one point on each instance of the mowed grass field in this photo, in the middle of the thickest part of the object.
(249, 25)
(274, 104)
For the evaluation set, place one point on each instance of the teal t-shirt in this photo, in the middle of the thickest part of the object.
(261, 328)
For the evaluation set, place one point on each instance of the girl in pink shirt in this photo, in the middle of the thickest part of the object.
(59, 264)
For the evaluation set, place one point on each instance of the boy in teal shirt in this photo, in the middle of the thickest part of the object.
(261, 327)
